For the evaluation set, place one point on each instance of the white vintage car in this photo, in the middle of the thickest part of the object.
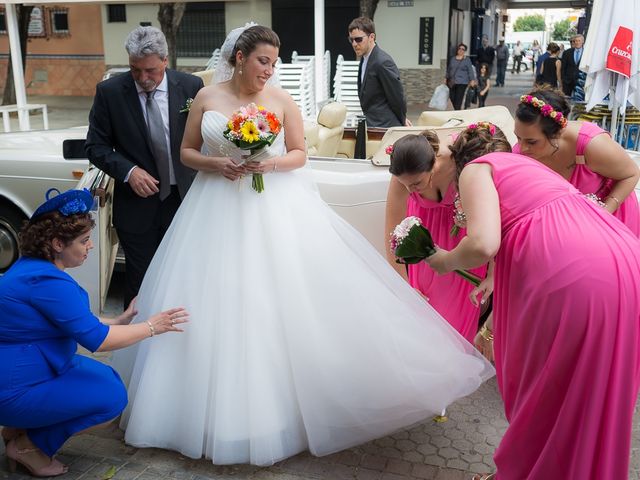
(33, 162)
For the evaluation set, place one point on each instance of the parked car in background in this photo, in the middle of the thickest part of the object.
(30, 164)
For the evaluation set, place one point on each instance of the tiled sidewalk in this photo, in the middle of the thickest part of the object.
(428, 451)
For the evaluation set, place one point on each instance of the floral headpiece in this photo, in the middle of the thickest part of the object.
(389, 149)
(546, 110)
(68, 203)
(489, 126)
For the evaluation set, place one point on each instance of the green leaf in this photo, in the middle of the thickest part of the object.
(109, 474)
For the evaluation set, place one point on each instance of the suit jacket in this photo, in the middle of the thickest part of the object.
(118, 140)
(570, 69)
(381, 93)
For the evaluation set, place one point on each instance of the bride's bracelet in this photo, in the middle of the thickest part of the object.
(152, 330)
(275, 165)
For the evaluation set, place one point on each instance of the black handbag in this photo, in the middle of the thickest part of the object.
(472, 95)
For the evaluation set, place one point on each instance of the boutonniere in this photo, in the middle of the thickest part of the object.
(187, 106)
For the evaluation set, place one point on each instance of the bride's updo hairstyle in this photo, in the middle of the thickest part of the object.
(250, 38)
(528, 113)
(413, 154)
(476, 140)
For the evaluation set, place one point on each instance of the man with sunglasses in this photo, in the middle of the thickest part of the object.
(379, 87)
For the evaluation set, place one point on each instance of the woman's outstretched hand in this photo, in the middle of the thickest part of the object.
(128, 314)
(168, 320)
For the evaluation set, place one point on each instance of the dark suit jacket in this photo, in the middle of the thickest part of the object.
(118, 140)
(569, 70)
(381, 93)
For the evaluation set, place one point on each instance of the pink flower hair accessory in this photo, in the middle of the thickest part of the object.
(489, 126)
(546, 110)
(389, 149)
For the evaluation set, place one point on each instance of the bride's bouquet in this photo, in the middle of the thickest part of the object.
(412, 243)
(252, 128)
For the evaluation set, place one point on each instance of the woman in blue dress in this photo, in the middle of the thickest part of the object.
(47, 391)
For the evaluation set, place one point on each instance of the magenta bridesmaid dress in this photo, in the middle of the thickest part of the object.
(588, 181)
(566, 326)
(448, 294)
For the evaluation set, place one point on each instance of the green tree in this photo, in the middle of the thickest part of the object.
(529, 23)
(563, 30)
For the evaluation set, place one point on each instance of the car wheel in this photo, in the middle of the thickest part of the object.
(10, 223)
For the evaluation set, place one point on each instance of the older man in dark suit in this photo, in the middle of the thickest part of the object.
(135, 131)
(570, 70)
(379, 87)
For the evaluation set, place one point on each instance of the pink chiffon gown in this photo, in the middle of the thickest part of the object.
(588, 181)
(566, 326)
(448, 294)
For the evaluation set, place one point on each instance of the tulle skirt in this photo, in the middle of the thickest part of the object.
(301, 335)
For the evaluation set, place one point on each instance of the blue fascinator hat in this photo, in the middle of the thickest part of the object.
(67, 203)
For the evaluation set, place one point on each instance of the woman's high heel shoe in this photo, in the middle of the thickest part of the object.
(13, 453)
(485, 476)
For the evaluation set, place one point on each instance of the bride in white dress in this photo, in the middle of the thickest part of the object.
(301, 335)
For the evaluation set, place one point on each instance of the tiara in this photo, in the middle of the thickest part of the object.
(545, 109)
(489, 126)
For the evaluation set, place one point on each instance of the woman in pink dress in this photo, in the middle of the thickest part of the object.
(566, 312)
(594, 163)
(423, 185)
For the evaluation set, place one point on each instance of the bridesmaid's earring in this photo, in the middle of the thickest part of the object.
(240, 69)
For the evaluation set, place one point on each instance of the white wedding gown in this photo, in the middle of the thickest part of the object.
(301, 335)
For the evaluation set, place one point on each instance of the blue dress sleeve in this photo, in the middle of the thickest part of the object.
(66, 305)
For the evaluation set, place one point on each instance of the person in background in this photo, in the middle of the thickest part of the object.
(502, 57)
(484, 84)
(460, 75)
(550, 68)
(379, 87)
(566, 318)
(423, 185)
(539, 62)
(486, 54)
(581, 152)
(571, 65)
(135, 129)
(517, 57)
(536, 50)
(47, 391)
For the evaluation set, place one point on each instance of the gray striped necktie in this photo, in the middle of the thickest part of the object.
(158, 143)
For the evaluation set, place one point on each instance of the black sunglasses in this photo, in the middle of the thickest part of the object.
(356, 39)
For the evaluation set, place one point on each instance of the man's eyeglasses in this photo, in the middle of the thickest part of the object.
(357, 39)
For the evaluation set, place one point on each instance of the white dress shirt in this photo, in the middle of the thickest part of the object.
(162, 99)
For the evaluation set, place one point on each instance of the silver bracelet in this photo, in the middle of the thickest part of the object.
(152, 330)
(275, 165)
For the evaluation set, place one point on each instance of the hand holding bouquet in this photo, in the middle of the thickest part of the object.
(253, 128)
(412, 243)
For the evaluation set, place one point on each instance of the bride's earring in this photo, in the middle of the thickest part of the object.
(240, 69)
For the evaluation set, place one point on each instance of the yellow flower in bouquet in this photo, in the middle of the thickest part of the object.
(253, 128)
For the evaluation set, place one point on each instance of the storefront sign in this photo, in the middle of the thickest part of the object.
(425, 49)
(619, 55)
(399, 3)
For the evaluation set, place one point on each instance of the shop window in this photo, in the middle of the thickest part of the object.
(3, 22)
